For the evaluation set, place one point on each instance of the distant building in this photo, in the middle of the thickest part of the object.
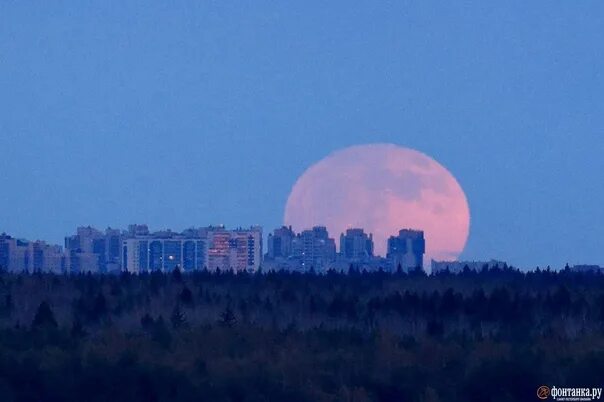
(371, 264)
(13, 254)
(17, 255)
(212, 248)
(280, 243)
(406, 250)
(91, 250)
(113, 248)
(5, 249)
(459, 266)
(138, 230)
(356, 245)
(145, 254)
(239, 250)
(86, 240)
(314, 249)
(587, 268)
(46, 257)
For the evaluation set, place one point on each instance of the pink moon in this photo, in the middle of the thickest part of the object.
(383, 188)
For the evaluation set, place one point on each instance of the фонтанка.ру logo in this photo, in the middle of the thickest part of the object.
(569, 394)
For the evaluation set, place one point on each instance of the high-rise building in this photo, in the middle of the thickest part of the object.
(138, 230)
(5, 246)
(280, 243)
(14, 254)
(113, 247)
(314, 249)
(17, 255)
(356, 245)
(161, 252)
(239, 249)
(46, 258)
(212, 248)
(406, 250)
(83, 250)
(91, 250)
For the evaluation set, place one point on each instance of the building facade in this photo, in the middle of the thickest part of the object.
(91, 250)
(146, 254)
(239, 249)
(406, 250)
(195, 249)
(587, 268)
(314, 249)
(280, 243)
(18, 255)
(356, 245)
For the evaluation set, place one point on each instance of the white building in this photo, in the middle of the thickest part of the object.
(17, 255)
(212, 248)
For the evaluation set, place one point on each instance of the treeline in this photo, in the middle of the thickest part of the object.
(476, 336)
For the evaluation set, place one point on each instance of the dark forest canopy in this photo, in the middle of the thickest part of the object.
(476, 336)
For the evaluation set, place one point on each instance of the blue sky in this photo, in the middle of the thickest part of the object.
(192, 113)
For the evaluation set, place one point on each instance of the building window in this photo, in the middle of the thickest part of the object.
(143, 256)
(201, 254)
(125, 268)
(172, 254)
(156, 256)
(188, 251)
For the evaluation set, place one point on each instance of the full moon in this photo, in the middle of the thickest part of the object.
(383, 188)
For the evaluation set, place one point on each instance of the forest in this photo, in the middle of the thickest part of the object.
(494, 335)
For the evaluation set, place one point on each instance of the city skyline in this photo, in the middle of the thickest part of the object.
(217, 109)
(138, 250)
(105, 251)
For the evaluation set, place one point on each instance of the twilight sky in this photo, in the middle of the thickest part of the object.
(190, 114)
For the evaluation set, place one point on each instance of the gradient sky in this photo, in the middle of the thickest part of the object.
(182, 114)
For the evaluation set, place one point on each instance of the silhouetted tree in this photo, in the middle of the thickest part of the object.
(227, 318)
(77, 329)
(186, 296)
(161, 334)
(435, 328)
(177, 275)
(468, 336)
(44, 317)
(177, 318)
(147, 322)
(8, 306)
(99, 308)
